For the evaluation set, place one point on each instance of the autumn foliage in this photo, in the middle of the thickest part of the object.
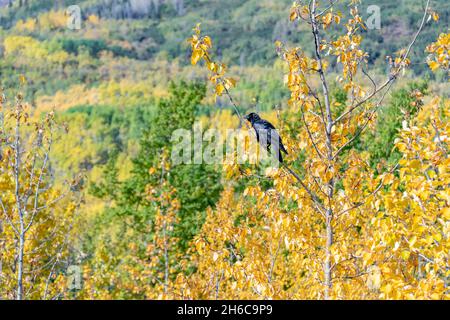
(360, 209)
(349, 231)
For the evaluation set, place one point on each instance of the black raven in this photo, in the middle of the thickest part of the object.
(266, 135)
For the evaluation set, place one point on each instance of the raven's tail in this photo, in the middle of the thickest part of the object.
(280, 157)
(282, 147)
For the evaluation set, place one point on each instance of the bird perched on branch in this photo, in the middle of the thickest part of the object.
(267, 135)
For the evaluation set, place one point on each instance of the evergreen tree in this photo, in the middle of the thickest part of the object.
(197, 185)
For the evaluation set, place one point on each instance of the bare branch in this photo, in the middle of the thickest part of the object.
(363, 127)
(310, 135)
(392, 76)
(369, 195)
(330, 5)
(314, 197)
(8, 219)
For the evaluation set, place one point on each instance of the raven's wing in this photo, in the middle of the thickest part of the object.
(269, 138)
(282, 147)
(263, 130)
(257, 134)
(261, 133)
(266, 124)
(276, 136)
(275, 144)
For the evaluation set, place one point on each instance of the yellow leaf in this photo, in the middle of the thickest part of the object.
(337, 19)
(196, 56)
(207, 41)
(414, 164)
(293, 15)
(405, 255)
(211, 66)
(437, 237)
(446, 213)
(435, 16)
(412, 241)
(433, 65)
(219, 89)
(230, 82)
(327, 18)
(22, 79)
(435, 296)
